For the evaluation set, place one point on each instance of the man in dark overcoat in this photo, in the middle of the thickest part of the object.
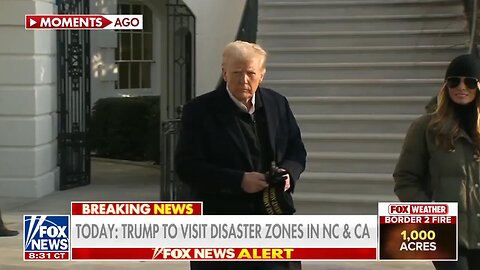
(228, 140)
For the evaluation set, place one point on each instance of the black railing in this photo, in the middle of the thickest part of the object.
(180, 89)
(180, 57)
(247, 30)
(471, 11)
(73, 87)
(171, 189)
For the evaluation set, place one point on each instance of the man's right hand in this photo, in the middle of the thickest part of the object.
(254, 182)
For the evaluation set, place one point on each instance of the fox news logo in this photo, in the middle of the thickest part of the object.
(46, 234)
(398, 209)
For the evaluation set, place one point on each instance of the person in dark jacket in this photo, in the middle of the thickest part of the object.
(440, 157)
(228, 139)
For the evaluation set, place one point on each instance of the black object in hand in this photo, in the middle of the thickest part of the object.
(276, 176)
(275, 201)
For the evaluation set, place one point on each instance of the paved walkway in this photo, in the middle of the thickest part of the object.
(124, 181)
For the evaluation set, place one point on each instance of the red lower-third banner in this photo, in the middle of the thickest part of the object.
(224, 253)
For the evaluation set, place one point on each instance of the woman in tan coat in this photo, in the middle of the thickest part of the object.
(440, 157)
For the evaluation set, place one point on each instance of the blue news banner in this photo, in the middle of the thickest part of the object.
(46, 237)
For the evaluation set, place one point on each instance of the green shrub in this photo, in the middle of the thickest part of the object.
(126, 128)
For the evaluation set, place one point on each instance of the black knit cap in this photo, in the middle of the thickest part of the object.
(465, 65)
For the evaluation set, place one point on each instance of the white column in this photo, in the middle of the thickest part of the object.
(28, 145)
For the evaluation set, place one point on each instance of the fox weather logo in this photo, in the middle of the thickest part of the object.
(46, 237)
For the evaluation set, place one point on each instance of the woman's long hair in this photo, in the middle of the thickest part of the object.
(445, 124)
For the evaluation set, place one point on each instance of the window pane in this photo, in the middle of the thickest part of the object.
(147, 47)
(123, 75)
(124, 9)
(137, 46)
(135, 75)
(134, 45)
(136, 9)
(147, 19)
(146, 75)
(125, 45)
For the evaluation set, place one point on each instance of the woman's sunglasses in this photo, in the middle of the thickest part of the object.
(470, 82)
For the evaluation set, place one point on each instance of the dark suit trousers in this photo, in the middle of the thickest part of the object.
(245, 265)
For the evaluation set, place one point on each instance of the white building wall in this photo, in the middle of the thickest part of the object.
(217, 23)
(28, 145)
(102, 54)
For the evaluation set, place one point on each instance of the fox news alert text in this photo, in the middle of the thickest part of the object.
(83, 22)
(176, 231)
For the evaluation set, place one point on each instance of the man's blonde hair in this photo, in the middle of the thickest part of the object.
(244, 50)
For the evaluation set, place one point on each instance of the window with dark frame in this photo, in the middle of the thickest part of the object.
(133, 54)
